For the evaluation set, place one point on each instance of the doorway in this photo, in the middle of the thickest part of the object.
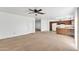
(37, 25)
(54, 26)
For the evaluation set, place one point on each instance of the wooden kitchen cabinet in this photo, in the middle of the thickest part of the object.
(65, 31)
(67, 22)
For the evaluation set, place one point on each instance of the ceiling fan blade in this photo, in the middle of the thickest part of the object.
(31, 13)
(40, 13)
(40, 10)
(31, 10)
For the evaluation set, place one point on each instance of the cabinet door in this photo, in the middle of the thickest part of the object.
(65, 22)
(63, 31)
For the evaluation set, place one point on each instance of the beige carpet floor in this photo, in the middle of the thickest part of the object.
(40, 41)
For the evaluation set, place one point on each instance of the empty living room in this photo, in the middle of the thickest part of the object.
(37, 29)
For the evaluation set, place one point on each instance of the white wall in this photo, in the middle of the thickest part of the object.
(14, 25)
(78, 27)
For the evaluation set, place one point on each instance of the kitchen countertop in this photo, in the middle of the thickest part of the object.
(65, 28)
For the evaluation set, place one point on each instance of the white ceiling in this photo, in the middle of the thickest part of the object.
(51, 12)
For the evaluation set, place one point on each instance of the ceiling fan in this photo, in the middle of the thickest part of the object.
(36, 11)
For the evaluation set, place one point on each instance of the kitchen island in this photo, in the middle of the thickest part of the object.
(65, 31)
